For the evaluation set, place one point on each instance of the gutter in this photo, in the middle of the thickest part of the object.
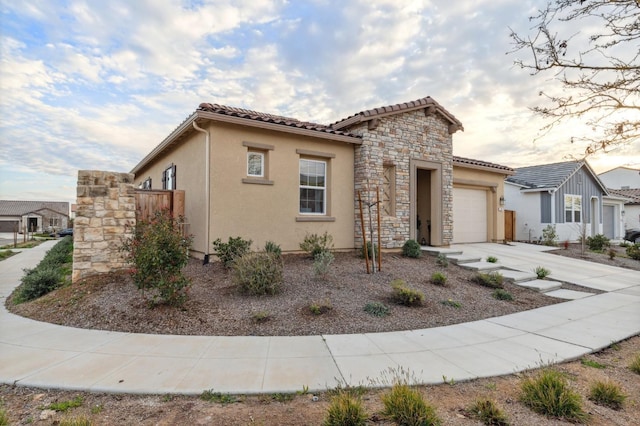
(207, 189)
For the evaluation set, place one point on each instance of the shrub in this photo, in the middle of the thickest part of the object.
(492, 259)
(452, 303)
(376, 309)
(411, 248)
(273, 248)
(4, 418)
(258, 273)
(548, 393)
(404, 295)
(491, 279)
(549, 235)
(611, 253)
(75, 421)
(314, 244)
(502, 294)
(158, 251)
(633, 251)
(319, 308)
(261, 316)
(486, 410)
(635, 364)
(322, 263)
(372, 249)
(38, 281)
(438, 278)
(230, 251)
(442, 260)
(406, 406)
(608, 394)
(598, 242)
(541, 272)
(345, 409)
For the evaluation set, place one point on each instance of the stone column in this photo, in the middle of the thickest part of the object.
(106, 215)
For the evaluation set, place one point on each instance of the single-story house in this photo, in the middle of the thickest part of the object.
(624, 183)
(567, 195)
(631, 212)
(33, 216)
(267, 177)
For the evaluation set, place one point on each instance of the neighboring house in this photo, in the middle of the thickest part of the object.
(267, 177)
(567, 195)
(631, 212)
(621, 178)
(36, 216)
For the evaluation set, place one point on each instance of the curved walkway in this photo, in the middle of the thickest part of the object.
(44, 355)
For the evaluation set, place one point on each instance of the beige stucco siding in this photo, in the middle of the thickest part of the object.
(270, 210)
(493, 184)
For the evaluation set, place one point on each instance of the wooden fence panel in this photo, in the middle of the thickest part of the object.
(150, 201)
(509, 225)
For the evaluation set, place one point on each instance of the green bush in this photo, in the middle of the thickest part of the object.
(549, 235)
(492, 259)
(491, 279)
(502, 294)
(322, 263)
(372, 249)
(230, 251)
(376, 309)
(598, 242)
(608, 394)
(48, 275)
(633, 251)
(541, 272)
(486, 410)
(411, 248)
(258, 273)
(404, 295)
(442, 260)
(345, 409)
(438, 278)
(406, 406)
(548, 393)
(273, 248)
(158, 252)
(314, 244)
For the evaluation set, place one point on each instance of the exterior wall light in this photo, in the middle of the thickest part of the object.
(502, 200)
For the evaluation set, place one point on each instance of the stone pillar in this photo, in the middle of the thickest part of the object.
(105, 216)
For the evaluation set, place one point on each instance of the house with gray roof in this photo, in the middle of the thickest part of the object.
(567, 195)
(33, 216)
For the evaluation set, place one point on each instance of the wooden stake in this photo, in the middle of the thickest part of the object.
(379, 230)
(364, 235)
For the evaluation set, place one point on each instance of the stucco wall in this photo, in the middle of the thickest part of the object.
(400, 139)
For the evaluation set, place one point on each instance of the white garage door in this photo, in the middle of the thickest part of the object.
(469, 215)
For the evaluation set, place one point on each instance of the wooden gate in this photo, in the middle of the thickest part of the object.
(150, 201)
(509, 225)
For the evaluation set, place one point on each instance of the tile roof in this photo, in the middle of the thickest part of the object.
(483, 164)
(546, 176)
(633, 194)
(396, 109)
(18, 208)
(270, 118)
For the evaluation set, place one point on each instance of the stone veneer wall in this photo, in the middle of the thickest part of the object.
(396, 140)
(106, 214)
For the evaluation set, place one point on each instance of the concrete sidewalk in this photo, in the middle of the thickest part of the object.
(44, 355)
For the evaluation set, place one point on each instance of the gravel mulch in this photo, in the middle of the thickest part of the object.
(215, 307)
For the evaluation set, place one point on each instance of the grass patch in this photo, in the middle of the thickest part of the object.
(64, 406)
(345, 409)
(376, 309)
(75, 421)
(4, 418)
(593, 364)
(6, 254)
(260, 316)
(635, 364)
(438, 278)
(486, 410)
(319, 308)
(541, 272)
(548, 393)
(491, 279)
(452, 303)
(501, 294)
(406, 406)
(217, 397)
(23, 245)
(404, 295)
(492, 259)
(608, 394)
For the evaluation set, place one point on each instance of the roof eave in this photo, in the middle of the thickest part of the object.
(484, 168)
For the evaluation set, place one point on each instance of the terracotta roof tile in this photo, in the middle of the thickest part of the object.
(633, 194)
(471, 162)
(270, 118)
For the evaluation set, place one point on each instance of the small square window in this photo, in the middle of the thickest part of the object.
(255, 164)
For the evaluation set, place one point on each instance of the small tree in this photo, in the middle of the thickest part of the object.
(158, 251)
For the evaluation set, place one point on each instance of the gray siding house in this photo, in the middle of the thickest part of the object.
(36, 216)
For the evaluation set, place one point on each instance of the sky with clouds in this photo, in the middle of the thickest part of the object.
(92, 84)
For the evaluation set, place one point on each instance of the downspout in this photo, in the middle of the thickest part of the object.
(207, 191)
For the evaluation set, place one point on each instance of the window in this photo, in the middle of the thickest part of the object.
(313, 189)
(54, 221)
(146, 184)
(169, 178)
(255, 164)
(573, 208)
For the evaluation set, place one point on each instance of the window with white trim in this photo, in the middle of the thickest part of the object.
(313, 186)
(255, 164)
(572, 208)
(146, 184)
(169, 177)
